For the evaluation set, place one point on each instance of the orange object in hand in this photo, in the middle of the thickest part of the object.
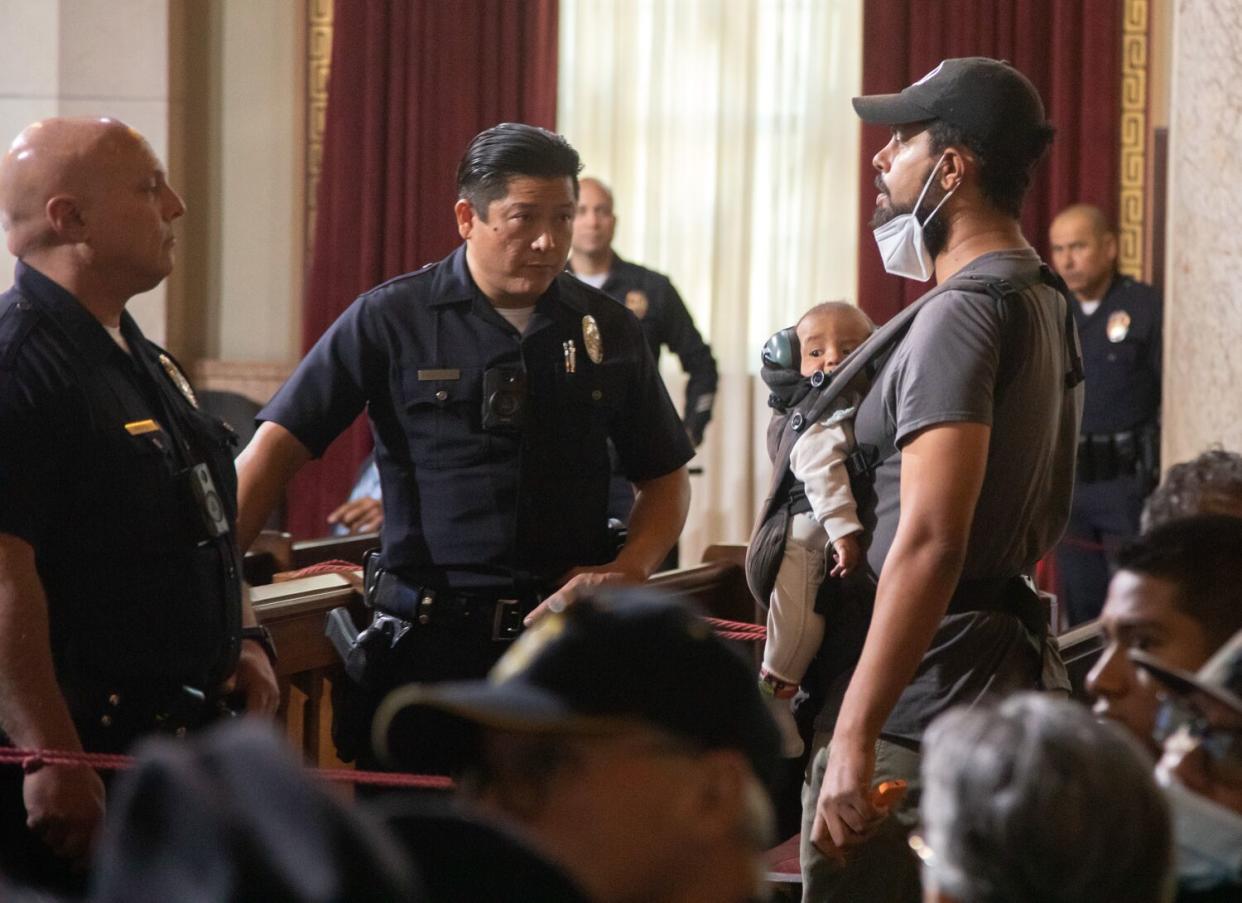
(888, 794)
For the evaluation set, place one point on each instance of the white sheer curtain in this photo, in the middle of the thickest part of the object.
(725, 130)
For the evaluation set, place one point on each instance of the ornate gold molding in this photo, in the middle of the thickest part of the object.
(318, 63)
(1133, 168)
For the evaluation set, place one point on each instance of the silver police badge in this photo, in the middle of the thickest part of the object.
(178, 379)
(1118, 326)
(637, 302)
(592, 340)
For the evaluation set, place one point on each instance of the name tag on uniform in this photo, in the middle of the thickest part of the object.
(142, 427)
(431, 375)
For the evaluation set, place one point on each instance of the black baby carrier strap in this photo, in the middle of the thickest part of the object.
(785, 497)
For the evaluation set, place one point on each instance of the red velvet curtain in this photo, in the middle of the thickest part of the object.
(1070, 50)
(412, 81)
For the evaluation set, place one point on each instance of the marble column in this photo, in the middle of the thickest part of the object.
(1203, 308)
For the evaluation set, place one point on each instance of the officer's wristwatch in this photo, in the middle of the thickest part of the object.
(263, 637)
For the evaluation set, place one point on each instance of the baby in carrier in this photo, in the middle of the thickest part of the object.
(826, 334)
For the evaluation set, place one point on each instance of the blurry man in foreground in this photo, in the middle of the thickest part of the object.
(625, 741)
(1032, 800)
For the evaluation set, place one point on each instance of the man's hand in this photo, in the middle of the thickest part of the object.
(364, 515)
(845, 814)
(255, 679)
(848, 552)
(65, 808)
(580, 582)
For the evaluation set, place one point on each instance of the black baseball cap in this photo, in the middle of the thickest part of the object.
(608, 663)
(989, 100)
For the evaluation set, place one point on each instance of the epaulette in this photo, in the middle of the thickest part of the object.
(15, 324)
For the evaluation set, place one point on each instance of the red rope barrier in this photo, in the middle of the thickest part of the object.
(738, 630)
(31, 760)
(334, 566)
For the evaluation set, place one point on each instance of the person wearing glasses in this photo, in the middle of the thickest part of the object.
(1174, 599)
(1200, 724)
(1035, 800)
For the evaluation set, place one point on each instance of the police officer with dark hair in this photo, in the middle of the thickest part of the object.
(1119, 324)
(493, 381)
(121, 610)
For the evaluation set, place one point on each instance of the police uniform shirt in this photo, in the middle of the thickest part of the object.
(467, 506)
(650, 296)
(96, 443)
(1121, 357)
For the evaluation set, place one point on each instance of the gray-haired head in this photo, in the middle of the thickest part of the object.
(1035, 800)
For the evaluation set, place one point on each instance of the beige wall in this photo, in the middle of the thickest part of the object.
(1203, 310)
(217, 88)
(260, 142)
(238, 74)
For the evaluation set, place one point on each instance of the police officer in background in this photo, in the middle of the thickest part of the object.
(121, 609)
(650, 295)
(493, 381)
(1119, 324)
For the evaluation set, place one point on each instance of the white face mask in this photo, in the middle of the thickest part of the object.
(901, 239)
(1207, 837)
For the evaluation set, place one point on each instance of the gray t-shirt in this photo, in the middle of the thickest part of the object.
(969, 358)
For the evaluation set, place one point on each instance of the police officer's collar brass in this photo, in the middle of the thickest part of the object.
(178, 379)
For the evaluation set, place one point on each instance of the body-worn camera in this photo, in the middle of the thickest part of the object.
(504, 398)
(208, 520)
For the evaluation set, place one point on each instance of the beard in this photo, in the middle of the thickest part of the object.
(935, 233)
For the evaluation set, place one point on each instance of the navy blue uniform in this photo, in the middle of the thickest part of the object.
(1121, 348)
(97, 455)
(471, 512)
(665, 321)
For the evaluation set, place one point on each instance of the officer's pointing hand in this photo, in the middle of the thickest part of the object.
(580, 582)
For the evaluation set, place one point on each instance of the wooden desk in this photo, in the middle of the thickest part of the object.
(295, 611)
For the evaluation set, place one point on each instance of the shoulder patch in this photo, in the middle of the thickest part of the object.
(16, 321)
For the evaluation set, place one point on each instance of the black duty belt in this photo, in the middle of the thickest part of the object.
(499, 613)
(109, 715)
(1107, 456)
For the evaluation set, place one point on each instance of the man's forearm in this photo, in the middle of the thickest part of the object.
(942, 472)
(911, 599)
(32, 710)
(264, 468)
(656, 520)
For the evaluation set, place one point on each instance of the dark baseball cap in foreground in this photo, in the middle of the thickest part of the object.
(989, 100)
(609, 663)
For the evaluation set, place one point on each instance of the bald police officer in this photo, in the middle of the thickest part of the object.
(1119, 324)
(121, 611)
(650, 295)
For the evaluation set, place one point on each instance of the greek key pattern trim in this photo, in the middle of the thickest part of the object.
(318, 64)
(1133, 158)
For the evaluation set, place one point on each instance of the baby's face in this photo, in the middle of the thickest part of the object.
(828, 337)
